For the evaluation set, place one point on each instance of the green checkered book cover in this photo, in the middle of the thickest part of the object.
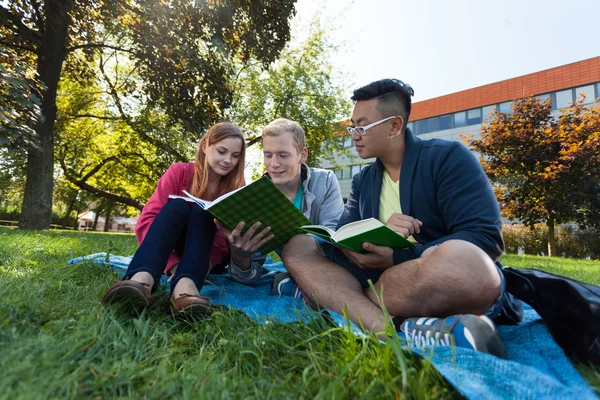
(261, 201)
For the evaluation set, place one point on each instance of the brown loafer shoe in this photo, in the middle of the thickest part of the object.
(133, 293)
(190, 304)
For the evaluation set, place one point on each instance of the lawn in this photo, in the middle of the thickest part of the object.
(57, 341)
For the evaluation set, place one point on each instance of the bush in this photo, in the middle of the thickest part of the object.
(10, 213)
(14, 213)
(589, 240)
(571, 240)
(519, 238)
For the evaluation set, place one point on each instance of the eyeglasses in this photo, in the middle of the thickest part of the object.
(362, 130)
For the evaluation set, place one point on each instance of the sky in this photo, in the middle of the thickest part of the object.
(444, 46)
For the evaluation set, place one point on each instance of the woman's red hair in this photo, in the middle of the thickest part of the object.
(229, 182)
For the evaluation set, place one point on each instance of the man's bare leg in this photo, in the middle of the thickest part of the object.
(455, 277)
(328, 284)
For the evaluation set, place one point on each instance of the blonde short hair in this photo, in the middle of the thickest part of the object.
(283, 125)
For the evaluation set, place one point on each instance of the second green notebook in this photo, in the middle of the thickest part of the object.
(354, 234)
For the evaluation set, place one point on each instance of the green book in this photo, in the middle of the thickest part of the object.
(353, 235)
(260, 201)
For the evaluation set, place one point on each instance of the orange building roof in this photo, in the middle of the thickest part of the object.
(549, 80)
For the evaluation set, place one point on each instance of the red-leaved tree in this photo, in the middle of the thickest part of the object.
(544, 169)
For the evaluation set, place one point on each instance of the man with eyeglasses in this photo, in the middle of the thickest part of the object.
(445, 290)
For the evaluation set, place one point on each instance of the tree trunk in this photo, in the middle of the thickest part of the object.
(78, 211)
(65, 221)
(551, 223)
(109, 209)
(37, 201)
(97, 212)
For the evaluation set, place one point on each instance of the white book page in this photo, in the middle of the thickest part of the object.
(356, 227)
(331, 232)
(202, 203)
(174, 196)
(207, 204)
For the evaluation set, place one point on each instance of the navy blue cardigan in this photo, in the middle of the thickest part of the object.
(443, 185)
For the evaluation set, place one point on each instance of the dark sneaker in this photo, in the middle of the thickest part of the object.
(468, 331)
(284, 285)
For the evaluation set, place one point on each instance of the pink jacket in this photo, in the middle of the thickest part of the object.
(178, 177)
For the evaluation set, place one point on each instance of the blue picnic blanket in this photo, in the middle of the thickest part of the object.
(536, 368)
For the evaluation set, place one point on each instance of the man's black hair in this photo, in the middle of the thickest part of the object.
(393, 97)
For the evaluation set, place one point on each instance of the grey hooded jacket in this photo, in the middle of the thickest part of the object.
(322, 204)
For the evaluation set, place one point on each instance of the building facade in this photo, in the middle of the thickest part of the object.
(85, 222)
(449, 116)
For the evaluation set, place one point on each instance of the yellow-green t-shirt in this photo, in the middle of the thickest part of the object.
(389, 201)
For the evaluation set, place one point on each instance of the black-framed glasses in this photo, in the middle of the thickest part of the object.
(362, 130)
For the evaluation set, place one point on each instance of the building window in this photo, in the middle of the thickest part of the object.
(460, 119)
(505, 107)
(564, 98)
(588, 91)
(348, 142)
(487, 111)
(410, 126)
(545, 97)
(597, 90)
(474, 116)
(433, 124)
(420, 127)
(347, 173)
(445, 122)
(338, 174)
(355, 169)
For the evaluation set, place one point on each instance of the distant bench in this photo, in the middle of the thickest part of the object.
(9, 223)
(53, 226)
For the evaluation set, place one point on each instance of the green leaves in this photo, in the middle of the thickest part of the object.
(182, 54)
(19, 104)
(185, 52)
(545, 168)
(300, 86)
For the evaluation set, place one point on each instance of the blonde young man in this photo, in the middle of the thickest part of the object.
(315, 192)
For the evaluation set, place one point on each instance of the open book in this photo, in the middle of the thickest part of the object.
(354, 234)
(260, 201)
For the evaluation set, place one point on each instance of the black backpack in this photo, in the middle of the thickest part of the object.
(570, 309)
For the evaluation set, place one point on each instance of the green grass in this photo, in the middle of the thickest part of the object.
(582, 270)
(57, 341)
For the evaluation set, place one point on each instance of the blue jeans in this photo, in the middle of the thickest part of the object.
(190, 231)
(364, 275)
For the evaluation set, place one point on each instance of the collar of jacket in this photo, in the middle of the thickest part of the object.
(411, 155)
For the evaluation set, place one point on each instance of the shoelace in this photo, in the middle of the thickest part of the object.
(298, 293)
(417, 339)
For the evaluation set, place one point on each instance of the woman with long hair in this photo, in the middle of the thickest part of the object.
(180, 238)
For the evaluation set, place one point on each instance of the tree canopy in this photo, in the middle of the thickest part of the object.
(116, 151)
(183, 53)
(546, 169)
(301, 86)
(20, 100)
